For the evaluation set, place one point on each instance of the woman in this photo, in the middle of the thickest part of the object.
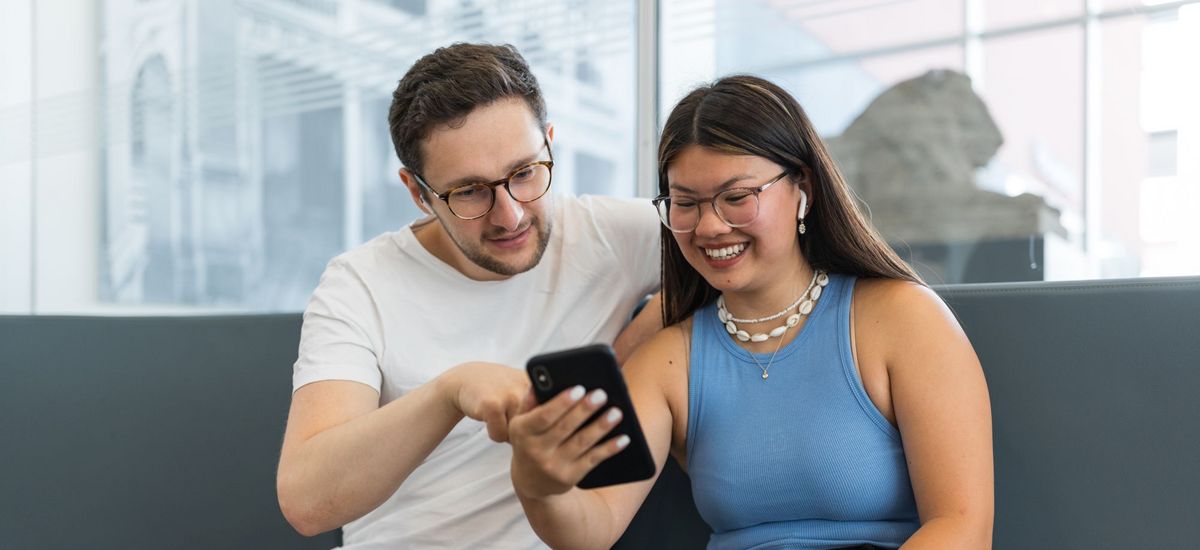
(857, 415)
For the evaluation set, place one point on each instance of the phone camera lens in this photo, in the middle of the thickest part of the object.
(541, 377)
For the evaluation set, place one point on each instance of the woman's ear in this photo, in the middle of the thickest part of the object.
(804, 183)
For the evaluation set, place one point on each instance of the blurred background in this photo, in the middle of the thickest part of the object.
(191, 156)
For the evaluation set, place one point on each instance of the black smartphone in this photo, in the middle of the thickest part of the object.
(593, 367)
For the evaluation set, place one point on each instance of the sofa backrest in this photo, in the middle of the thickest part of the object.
(123, 432)
(1095, 390)
(129, 432)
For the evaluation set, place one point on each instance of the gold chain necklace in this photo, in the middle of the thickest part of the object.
(769, 361)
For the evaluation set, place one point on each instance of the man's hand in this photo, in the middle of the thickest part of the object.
(486, 392)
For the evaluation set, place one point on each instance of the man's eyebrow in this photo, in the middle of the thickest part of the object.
(724, 185)
(473, 179)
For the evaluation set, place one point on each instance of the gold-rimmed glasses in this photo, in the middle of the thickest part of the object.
(736, 207)
(472, 201)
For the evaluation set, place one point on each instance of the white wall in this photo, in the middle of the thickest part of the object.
(15, 168)
(67, 183)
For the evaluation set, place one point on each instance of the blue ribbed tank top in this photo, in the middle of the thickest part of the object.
(802, 460)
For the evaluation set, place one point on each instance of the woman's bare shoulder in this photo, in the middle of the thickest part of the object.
(897, 301)
(910, 320)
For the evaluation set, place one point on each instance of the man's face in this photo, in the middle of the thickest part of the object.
(493, 141)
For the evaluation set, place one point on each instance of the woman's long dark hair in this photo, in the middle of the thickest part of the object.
(747, 115)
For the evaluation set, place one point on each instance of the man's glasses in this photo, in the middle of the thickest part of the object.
(736, 207)
(473, 201)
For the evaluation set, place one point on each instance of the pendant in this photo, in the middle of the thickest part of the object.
(764, 375)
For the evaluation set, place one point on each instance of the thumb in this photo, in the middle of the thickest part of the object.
(497, 427)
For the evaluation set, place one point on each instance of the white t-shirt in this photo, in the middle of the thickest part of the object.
(391, 315)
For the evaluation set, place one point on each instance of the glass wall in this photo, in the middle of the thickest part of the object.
(187, 156)
(989, 140)
(203, 155)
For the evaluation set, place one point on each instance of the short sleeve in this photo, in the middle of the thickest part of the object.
(631, 228)
(339, 338)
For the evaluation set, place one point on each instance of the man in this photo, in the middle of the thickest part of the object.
(392, 423)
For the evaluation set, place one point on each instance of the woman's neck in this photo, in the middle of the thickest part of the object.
(775, 295)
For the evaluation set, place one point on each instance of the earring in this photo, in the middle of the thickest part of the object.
(800, 216)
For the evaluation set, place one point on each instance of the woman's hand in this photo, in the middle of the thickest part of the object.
(551, 453)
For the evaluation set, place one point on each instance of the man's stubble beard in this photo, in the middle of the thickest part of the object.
(476, 254)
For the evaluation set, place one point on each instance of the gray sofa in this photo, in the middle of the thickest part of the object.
(123, 432)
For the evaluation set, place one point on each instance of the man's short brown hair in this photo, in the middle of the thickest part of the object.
(445, 86)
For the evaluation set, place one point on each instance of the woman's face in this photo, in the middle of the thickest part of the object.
(746, 258)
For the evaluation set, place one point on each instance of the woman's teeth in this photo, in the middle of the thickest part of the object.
(726, 252)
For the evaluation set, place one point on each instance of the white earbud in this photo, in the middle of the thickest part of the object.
(800, 215)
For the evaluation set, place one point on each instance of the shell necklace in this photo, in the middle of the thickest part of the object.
(806, 302)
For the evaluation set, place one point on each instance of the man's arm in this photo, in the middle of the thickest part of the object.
(645, 324)
(344, 455)
(630, 228)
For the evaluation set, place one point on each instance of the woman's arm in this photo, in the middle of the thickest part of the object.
(548, 460)
(940, 400)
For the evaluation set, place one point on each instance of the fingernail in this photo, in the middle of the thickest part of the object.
(614, 414)
(598, 397)
(577, 393)
(622, 441)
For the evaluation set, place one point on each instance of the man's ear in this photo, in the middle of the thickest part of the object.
(550, 133)
(414, 190)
